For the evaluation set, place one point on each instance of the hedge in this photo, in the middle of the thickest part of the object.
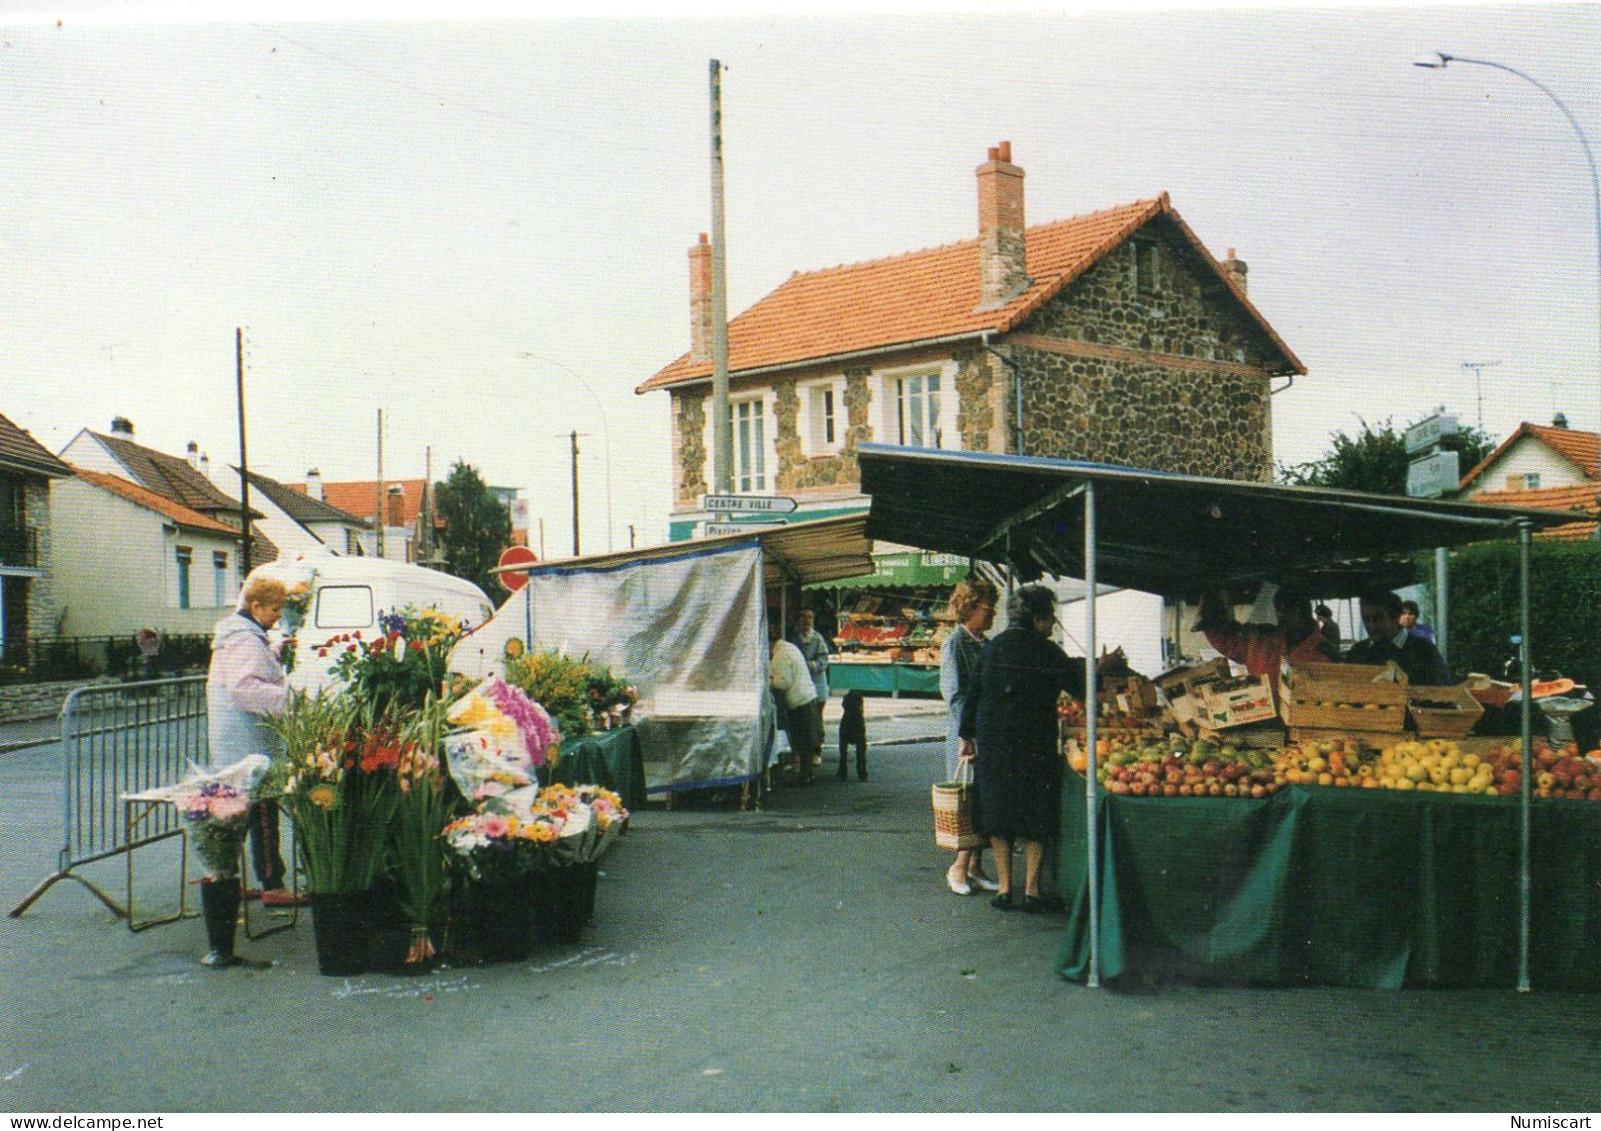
(1564, 608)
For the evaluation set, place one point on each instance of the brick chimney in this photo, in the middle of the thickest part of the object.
(121, 426)
(397, 506)
(700, 300)
(314, 484)
(1559, 421)
(1002, 271)
(1235, 269)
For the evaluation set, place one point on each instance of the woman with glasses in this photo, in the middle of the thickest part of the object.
(973, 606)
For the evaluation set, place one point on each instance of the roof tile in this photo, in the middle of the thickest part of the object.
(150, 500)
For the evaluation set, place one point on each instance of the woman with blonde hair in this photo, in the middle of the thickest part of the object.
(973, 605)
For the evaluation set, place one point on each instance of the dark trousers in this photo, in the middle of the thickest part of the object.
(264, 854)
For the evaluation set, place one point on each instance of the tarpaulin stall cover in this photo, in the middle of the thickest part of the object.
(687, 628)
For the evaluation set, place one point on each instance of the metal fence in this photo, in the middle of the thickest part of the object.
(117, 740)
(46, 658)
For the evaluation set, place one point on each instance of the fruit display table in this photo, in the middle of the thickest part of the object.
(607, 758)
(1333, 886)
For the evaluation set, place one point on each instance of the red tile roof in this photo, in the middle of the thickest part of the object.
(928, 295)
(148, 499)
(358, 498)
(1578, 497)
(1581, 449)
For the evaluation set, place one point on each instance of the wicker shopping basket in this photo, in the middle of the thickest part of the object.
(953, 812)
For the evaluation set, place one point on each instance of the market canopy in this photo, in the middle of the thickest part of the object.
(801, 552)
(1157, 531)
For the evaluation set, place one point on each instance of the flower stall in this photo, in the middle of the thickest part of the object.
(418, 800)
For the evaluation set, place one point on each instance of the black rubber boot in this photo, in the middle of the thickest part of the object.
(219, 901)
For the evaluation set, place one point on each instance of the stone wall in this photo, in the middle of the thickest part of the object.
(39, 700)
(1169, 379)
(41, 605)
(798, 471)
(689, 443)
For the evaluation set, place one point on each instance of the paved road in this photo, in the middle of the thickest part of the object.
(805, 957)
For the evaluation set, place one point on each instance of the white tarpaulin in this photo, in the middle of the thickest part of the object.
(688, 630)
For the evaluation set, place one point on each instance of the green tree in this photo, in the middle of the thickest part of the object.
(477, 526)
(1375, 459)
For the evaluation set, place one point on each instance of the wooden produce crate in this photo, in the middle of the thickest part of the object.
(1322, 697)
(1378, 739)
(1236, 702)
(1459, 712)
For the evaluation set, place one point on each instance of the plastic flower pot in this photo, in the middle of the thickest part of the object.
(339, 922)
(496, 920)
(219, 903)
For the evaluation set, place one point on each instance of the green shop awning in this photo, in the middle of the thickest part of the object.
(904, 569)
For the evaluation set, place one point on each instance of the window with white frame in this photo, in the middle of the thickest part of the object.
(823, 418)
(917, 416)
(750, 446)
(184, 556)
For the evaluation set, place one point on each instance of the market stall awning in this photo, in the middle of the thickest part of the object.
(1156, 531)
(802, 552)
(904, 569)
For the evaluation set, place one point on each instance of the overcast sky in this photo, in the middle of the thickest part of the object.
(447, 219)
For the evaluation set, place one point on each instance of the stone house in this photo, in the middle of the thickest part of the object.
(1114, 337)
(1552, 467)
(27, 607)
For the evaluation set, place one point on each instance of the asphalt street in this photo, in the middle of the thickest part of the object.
(804, 957)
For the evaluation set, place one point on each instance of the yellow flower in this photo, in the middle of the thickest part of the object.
(323, 796)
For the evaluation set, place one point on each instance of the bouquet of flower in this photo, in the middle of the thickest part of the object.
(403, 666)
(587, 819)
(296, 603)
(421, 811)
(495, 845)
(507, 736)
(581, 695)
(215, 805)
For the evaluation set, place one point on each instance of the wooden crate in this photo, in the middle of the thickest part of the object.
(1444, 722)
(1378, 739)
(1343, 704)
(1236, 702)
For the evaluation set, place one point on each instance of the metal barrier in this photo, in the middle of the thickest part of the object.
(116, 740)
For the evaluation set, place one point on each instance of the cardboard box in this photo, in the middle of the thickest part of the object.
(1236, 702)
(1456, 715)
(1346, 698)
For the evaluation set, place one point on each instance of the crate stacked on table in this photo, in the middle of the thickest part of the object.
(1332, 701)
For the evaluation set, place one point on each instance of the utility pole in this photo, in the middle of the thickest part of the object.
(378, 489)
(244, 459)
(1478, 368)
(722, 424)
(575, 493)
(425, 520)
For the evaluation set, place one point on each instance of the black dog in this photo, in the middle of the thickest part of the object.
(853, 732)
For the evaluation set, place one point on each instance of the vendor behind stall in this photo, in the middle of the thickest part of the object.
(1389, 640)
(1262, 648)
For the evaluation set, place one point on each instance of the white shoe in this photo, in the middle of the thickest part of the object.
(955, 885)
(983, 883)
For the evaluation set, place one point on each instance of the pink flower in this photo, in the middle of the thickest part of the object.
(495, 827)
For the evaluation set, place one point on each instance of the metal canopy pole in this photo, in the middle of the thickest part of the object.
(1091, 733)
(1527, 678)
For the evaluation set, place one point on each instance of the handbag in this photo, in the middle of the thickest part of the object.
(953, 812)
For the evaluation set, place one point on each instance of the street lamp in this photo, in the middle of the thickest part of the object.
(1589, 156)
(605, 426)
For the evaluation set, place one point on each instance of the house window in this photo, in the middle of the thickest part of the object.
(219, 573)
(1147, 267)
(823, 426)
(918, 413)
(185, 556)
(1527, 482)
(750, 446)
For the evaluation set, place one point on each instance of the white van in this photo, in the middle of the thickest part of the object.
(348, 594)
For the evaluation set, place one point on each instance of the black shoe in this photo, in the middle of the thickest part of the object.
(1002, 902)
(1038, 904)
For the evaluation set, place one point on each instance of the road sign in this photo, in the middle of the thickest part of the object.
(511, 557)
(710, 528)
(747, 504)
(1426, 433)
(1433, 476)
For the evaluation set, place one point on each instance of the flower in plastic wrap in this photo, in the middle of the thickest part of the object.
(215, 805)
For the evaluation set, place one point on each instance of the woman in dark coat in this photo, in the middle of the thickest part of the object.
(1010, 716)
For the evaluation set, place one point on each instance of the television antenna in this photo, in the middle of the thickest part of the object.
(1478, 368)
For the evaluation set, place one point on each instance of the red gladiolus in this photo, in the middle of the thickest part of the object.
(417, 645)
